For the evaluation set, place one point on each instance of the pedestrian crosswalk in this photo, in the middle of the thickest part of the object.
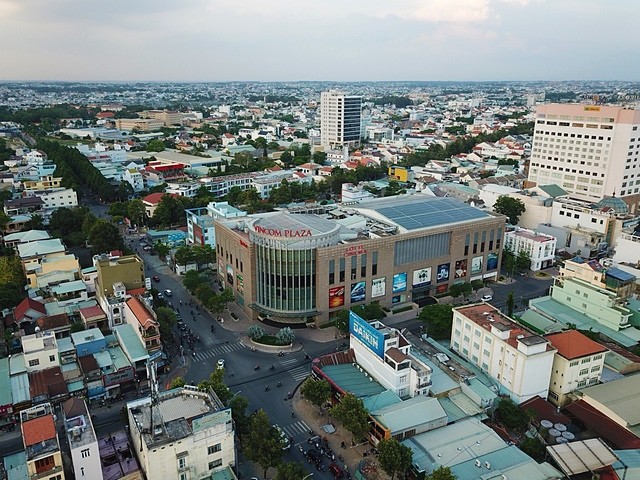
(296, 429)
(218, 350)
(298, 373)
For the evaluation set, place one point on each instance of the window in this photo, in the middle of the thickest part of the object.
(585, 360)
(582, 383)
(85, 453)
(215, 463)
(34, 362)
(183, 476)
(52, 358)
(214, 448)
(403, 379)
(182, 463)
(584, 371)
(595, 369)
(574, 363)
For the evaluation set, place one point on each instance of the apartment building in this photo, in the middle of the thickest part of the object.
(541, 248)
(591, 151)
(40, 351)
(519, 360)
(144, 322)
(82, 440)
(578, 363)
(200, 222)
(140, 124)
(340, 119)
(183, 434)
(41, 444)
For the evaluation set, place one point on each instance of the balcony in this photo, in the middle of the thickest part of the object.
(46, 473)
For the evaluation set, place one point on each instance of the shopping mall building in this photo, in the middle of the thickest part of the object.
(304, 265)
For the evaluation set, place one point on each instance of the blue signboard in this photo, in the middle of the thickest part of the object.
(399, 282)
(372, 338)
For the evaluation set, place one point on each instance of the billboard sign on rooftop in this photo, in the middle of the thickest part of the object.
(369, 336)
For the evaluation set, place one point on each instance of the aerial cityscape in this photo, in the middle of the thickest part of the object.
(282, 240)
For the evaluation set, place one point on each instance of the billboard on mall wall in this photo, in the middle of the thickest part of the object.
(399, 282)
(369, 336)
(476, 265)
(443, 272)
(240, 280)
(378, 287)
(358, 291)
(461, 269)
(229, 274)
(422, 277)
(492, 261)
(336, 297)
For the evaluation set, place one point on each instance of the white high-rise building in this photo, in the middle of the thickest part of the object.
(592, 151)
(340, 119)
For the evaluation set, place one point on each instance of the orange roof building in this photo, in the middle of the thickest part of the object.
(38, 430)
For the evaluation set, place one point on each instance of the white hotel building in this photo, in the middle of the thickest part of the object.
(541, 248)
(519, 360)
(591, 151)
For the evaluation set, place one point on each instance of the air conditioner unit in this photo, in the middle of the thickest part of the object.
(478, 463)
(487, 465)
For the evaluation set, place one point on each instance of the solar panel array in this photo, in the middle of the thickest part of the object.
(430, 213)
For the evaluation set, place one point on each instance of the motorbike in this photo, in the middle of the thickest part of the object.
(272, 367)
(267, 388)
(257, 367)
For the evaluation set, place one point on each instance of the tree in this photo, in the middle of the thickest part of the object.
(523, 260)
(510, 304)
(534, 448)
(204, 255)
(76, 327)
(169, 212)
(512, 208)
(192, 279)
(255, 332)
(291, 471)
(353, 415)
(105, 237)
(510, 415)
(162, 249)
(155, 145)
(285, 336)
(342, 321)
(216, 383)
(442, 473)
(36, 222)
(177, 382)
(239, 405)
(458, 289)
(125, 191)
(264, 443)
(204, 293)
(136, 212)
(317, 392)
(438, 318)
(167, 320)
(4, 221)
(394, 457)
(184, 256)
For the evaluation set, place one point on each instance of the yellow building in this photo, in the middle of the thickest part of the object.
(401, 174)
(141, 124)
(128, 270)
(45, 183)
(53, 270)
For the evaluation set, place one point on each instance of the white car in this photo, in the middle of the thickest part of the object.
(220, 363)
(487, 298)
(167, 293)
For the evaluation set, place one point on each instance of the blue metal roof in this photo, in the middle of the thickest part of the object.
(620, 275)
(430, 212)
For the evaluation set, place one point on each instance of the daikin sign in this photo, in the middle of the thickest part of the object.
(372, 338)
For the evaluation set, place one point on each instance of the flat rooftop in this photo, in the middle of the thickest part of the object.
(487, 316)
(350, 379)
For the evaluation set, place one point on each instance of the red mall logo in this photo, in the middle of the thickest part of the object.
(274, 232)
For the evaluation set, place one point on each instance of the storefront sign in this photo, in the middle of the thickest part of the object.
(244, 244)
(116, 378)
(378, 287)
(355, 250)
(358, 291)
(372, 338)
(422, 277)
(274, 232)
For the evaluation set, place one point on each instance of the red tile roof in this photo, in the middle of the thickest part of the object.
(38, 430)
(154, 198)
(573, 344)
(610, 431)
(28, 304)
(141, 313)
(90, 313)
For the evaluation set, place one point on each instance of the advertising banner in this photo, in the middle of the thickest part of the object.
(378, 287)
(492, 261)
(421, 278)
(336, 297)
(476, 265)
(399, 282)
(443, 272)
(240, 280)
(369, 336)
(358, 291)
(229, 274)
(461, 269)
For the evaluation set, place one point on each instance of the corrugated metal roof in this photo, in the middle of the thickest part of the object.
(582, 456)
(410, 413)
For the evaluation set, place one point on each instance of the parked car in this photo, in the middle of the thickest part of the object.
(336, 471)
(220, 363)
(156, 278)
(167, 293)
(487, 298)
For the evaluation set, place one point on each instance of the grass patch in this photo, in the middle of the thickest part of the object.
(542, 275)
(403, 309)
(269, 340)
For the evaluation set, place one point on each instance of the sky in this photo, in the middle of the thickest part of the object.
(325, 40)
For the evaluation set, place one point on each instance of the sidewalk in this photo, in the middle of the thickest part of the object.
(351, 455)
